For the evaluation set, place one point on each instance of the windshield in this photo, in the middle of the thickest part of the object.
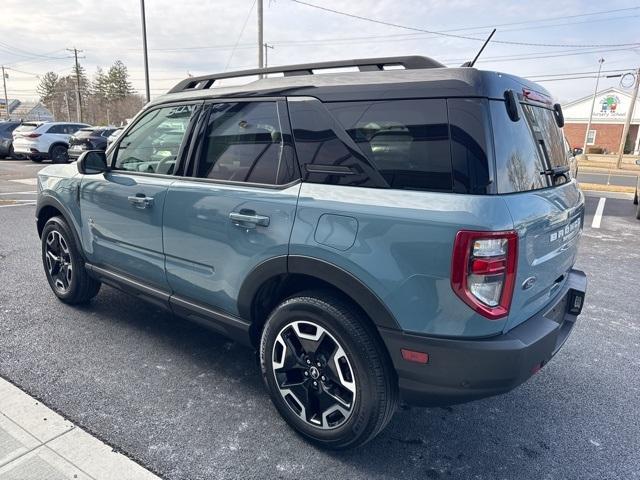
(526, 148)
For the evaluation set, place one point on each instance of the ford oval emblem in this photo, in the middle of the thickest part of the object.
(528, 283)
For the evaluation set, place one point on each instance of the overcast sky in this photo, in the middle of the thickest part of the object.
(197, 37)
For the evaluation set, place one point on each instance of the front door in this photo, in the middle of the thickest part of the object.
(238, 208)
(122, 209)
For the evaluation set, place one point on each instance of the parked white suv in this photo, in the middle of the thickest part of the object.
(42, 140)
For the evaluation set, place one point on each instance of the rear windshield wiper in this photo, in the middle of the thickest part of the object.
(557, 172)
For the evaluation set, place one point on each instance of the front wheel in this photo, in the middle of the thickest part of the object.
(327, 372)
(64, 266)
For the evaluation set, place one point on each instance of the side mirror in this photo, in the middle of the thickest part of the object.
(92, 162)
(638, 162)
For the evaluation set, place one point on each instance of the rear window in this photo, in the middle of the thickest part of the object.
(85, 133)
(26, 127)
(526, 148)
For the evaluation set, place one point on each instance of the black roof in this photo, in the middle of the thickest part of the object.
(421, 78)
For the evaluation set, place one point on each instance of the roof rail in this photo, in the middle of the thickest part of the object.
(364, 65)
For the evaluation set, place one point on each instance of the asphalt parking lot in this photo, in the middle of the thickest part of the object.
(189, 404)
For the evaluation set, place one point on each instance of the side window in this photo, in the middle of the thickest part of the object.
(56, 129)
(244, 142)
(406, 140)
(152, 144)
(325, 152)
(471, 146)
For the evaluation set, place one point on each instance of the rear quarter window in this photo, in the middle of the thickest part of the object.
(407, 141)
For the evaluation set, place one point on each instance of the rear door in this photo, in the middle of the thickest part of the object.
(122, 209)
(238, 207)
(547, 212)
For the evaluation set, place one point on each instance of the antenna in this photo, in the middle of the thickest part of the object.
(473, 62)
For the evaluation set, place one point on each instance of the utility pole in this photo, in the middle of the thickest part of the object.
(266, 53)
(627, 123)
(6, 100)
(593, 104)
(260, 36)
(78, 99)
(66, 99)
(144, 51)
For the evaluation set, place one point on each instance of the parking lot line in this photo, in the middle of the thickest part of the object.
(26, 181)
(21, 204)
(19, 193)
(597, 217)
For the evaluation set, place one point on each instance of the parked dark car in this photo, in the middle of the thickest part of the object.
(6, 138)
(90, 138)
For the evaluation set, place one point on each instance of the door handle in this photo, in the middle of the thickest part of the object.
(248, 219)
(140, 200)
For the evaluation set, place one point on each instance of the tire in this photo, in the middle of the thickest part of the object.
(64, 265)
(635, 198)
(346, 359)
(638, 212)
(58, 154)
(36, 159)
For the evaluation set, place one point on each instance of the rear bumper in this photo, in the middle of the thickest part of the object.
(75, 154)
(462, 370)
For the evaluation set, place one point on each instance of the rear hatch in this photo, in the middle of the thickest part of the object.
(25, 130)
(81, 140)
(547, 206)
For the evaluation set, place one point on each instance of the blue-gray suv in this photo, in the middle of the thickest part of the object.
(400, 230)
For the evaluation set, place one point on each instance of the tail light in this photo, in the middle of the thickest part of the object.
(32, 135)
(483, 270)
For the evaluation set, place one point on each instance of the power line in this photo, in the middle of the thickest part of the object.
(244, 25)
(23, 52)
(451, 35)
(403, 36)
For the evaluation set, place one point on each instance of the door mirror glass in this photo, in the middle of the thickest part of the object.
(92, 162)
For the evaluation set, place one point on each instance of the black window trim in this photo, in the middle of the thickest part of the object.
(197, 142)
(186, 139)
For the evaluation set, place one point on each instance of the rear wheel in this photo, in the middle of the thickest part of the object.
(58, 154)
(326, 371)
(64, 266)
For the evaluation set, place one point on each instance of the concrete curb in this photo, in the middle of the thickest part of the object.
(36, 443)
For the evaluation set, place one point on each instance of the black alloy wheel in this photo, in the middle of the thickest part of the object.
(314, 375)
(327, 370)
(64, 265)
(58, 262)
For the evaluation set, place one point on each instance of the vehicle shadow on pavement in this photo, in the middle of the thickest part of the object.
(437, 442)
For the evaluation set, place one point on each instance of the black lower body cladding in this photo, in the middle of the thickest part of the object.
(459, 371)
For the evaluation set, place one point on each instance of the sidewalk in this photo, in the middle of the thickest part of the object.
(38, 444)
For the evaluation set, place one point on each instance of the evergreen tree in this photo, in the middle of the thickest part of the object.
(100, 85)
(47, 87)
(118, 79)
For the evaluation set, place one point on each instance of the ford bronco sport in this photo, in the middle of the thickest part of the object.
(379, 234)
